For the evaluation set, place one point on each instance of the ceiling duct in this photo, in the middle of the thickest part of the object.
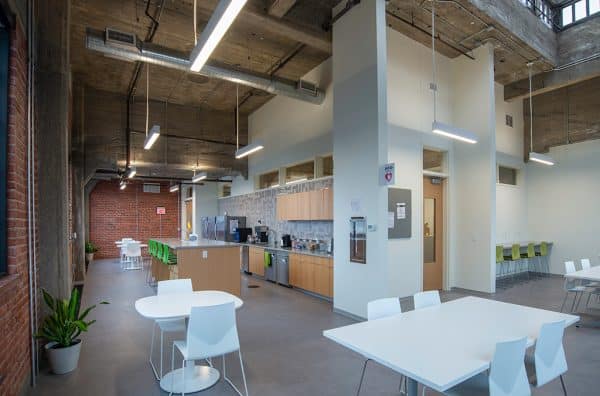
(157, 55)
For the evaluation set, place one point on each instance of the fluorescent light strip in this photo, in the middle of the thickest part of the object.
(297, 181)
(249, 149)
(123, 185)
(199, 176)
(217, 26)
(541, 158)
(152, 137)
(174, 188)
(453, 132)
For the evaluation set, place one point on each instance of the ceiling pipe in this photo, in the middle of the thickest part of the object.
(161, 56)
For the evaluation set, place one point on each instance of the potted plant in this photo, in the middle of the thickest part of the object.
(90, 249)
(61, 328)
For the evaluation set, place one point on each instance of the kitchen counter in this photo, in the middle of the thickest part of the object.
(176, 244)
(289, 250)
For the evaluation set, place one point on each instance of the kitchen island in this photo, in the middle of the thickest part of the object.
(210, 264)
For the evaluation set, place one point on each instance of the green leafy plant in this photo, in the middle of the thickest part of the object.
(90, 248)
(64, 323)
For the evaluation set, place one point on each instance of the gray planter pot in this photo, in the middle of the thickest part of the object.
(89, 257)
(63, 360)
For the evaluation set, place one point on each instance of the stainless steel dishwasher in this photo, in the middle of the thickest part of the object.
(283, 268)
(271, 270)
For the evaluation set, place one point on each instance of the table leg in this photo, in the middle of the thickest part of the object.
(412, 388)
(197, 378)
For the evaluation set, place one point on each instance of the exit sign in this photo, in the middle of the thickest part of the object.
(161, 210)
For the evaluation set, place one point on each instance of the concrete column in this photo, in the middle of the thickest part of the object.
(77, 183)
(52, 126)
(360, 138)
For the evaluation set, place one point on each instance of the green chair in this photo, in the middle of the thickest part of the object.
(529, 255)
(159, 251)
(514, 259)
(543, 253)
(169, 256)
(499, 260)
(151, 247)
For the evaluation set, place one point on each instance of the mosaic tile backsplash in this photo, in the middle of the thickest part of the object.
(262, 205)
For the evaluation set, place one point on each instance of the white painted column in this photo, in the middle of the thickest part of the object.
(474, 181)
(360, 138)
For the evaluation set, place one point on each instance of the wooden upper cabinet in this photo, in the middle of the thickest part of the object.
(308, 205)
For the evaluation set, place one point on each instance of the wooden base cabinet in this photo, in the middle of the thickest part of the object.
(256, 261)
(312, 273)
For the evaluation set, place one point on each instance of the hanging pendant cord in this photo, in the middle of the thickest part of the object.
(195, 24)
(237, 116)
(147, 96)
(530, 110)
(433, 60)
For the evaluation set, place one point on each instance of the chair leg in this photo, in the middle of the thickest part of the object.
(172, 369)
(243, 373)
(562, 382)
(362, 376)
(228, 380)
(161, 352)
(183, 379)
(588, 300)
(564, 301)
(152, 352)
(574, 301)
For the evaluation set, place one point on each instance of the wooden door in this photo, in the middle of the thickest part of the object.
(189, 215)
(433, 234)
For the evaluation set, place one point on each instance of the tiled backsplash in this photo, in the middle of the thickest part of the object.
(262, 205)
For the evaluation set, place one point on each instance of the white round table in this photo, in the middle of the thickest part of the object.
(168, 306)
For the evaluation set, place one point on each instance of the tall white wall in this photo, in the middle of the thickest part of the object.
(360, 139)
(474, 184)
(292, 130)
(511, 204)
(508, 140)
(205, 203)
(563, 203)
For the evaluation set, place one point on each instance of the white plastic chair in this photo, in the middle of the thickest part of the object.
(507, 375)
(426, 299)
(549, 361)
(383, 307)
(573, 286)
(586, 264)
(168, 325)
(212, 332)
(133, 254)
(378, 309)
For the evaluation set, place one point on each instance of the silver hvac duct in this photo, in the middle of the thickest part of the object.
(157, 55)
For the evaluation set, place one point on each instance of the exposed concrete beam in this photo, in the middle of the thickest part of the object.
(555, 79)
(279, 8)
(523, 25)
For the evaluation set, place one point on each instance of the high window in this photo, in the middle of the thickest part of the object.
(267, 180)
(507, 175)
(576, 11)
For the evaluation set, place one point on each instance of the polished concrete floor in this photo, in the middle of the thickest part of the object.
(280, 333)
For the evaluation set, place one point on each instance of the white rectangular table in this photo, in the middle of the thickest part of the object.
(591, 274)
(444, 345)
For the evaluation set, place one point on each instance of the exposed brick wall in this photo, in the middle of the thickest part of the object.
(14, 289)
(130, 213)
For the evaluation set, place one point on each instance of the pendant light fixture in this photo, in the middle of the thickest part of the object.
(122, 185)
(250, 148)
(438, 127)
(217, 26)
(131, 171)
(154, 133)
(199, 176)
(533, 156)
(174, 188)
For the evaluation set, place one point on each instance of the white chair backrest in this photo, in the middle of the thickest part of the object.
(585, 264)
(550, 359)
(569, 267)
(507, 370)
(426, 299)
(212, 331)
(383, 307)
(133, 249)
(174, 286)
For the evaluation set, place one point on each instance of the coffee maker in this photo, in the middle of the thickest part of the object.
(286, 241)
(262, 234)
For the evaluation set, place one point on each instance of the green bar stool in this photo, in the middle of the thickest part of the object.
(159, 251)
(529, 255)
(514, 258)
(541, 254)
(499, 260)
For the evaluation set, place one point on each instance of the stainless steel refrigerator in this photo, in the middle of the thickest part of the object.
(225, 227)
(208, 225)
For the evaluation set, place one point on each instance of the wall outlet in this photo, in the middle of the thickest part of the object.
(205, 254)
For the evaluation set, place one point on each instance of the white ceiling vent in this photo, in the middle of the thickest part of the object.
(118, 38)
(153, 188)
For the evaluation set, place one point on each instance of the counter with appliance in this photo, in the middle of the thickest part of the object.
(210, 264)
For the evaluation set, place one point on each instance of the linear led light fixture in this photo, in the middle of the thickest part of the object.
(453, 132)
(199, 176)
(217, 26)
(249, 149)
(122, 185)
(541, 158)
(131, 171)
(174, 188)
(151, 137)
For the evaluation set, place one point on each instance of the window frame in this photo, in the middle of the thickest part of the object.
(515, 170)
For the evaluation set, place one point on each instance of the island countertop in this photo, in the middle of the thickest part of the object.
(175, 243)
